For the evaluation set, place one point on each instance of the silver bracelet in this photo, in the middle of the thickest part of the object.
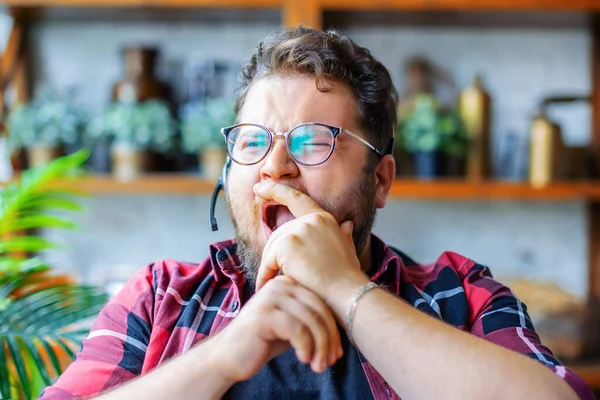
(350, 316)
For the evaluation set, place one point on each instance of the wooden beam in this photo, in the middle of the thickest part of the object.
(591, 348)
(302, 12)
(592, 333)
(594, 208)
(10, 56)
(22, 81)
(594, 250)
(594, 84)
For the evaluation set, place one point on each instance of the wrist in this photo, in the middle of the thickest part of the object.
(341, 293)
(210, 364)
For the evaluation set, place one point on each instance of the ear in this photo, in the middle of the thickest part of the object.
(385, 172)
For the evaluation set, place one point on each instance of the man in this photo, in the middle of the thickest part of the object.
(306, 302)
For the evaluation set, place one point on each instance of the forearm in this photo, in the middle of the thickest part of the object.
(188, 376)
(421, 357)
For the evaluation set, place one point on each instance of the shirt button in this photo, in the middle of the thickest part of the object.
(387, 390)
(234, 305)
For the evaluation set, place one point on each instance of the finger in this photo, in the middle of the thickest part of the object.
(298, 203)
(347, 227)
(268, 268)
(271, 261)
(320, 309)
(290, 329)
(321, 357)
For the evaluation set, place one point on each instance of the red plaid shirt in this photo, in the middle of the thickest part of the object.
(169, 306)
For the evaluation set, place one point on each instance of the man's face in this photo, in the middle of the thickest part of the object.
(343, 186)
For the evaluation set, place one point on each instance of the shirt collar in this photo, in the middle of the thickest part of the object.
(387, 266)
(225, 262)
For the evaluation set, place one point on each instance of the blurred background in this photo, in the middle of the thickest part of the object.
(497, 142)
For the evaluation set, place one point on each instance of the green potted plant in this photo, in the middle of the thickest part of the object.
(201, 132)
(45, 125)
(133, 129)
(43, 314)
(435, 137)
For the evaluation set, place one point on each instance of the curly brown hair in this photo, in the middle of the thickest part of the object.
(329, 56)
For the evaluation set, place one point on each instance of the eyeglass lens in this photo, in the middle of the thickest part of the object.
(309, 144)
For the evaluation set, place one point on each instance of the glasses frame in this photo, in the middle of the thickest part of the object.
(335, 132)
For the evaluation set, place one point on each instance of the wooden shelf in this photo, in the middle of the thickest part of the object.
(462, 5)
(492, 190)
(145, 3)
(438, 190)
(349, 5)
(175, 184)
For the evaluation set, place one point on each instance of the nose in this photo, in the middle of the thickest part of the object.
(278, 164)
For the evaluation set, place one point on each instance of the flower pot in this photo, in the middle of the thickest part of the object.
(427, 164)
(41, 155)
(128, 163)
(100, 155)
(211, 162)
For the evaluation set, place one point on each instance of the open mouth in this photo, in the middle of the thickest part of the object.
(274, 215)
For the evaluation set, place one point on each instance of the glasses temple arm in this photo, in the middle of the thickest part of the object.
(389, 149)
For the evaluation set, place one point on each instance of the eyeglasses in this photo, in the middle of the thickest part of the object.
(310, 143)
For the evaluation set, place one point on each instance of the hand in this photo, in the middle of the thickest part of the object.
(312, 249)
(281, 315)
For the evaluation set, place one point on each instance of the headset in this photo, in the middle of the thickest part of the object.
(220, 185)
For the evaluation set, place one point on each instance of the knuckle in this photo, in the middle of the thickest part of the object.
(296, 238)
(276, 285)
(297, 195)
(322, 218)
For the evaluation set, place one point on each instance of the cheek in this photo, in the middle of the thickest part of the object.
(240, 182)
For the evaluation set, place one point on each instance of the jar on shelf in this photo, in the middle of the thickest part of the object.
(139, 84)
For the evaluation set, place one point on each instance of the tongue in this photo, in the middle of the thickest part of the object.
(282, 215)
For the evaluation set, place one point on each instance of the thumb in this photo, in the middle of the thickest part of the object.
(347, 227)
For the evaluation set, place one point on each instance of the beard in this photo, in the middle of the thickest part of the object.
(356, 203)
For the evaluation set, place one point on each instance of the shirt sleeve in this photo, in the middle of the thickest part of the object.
(114, 351)
(497, 315)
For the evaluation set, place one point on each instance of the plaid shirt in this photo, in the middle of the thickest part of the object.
(169, 306)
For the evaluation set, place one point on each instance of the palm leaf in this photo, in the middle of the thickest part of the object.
(40, 190)
(45, 318)
(35, 221)
(36, 356)
(40, 313)
(17, 360)
(4, 374)
(45, 342)
(25, 243)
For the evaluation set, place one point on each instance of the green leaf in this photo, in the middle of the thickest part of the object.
(51, 354)
(25, 243)
(39, 302)
(41, 367)
(15, 353)
(41, 317)
(52, 203)
(9, 266)
(40, 222)
(54, 314)
(62, 342)
(47, 317)
(4, 374)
